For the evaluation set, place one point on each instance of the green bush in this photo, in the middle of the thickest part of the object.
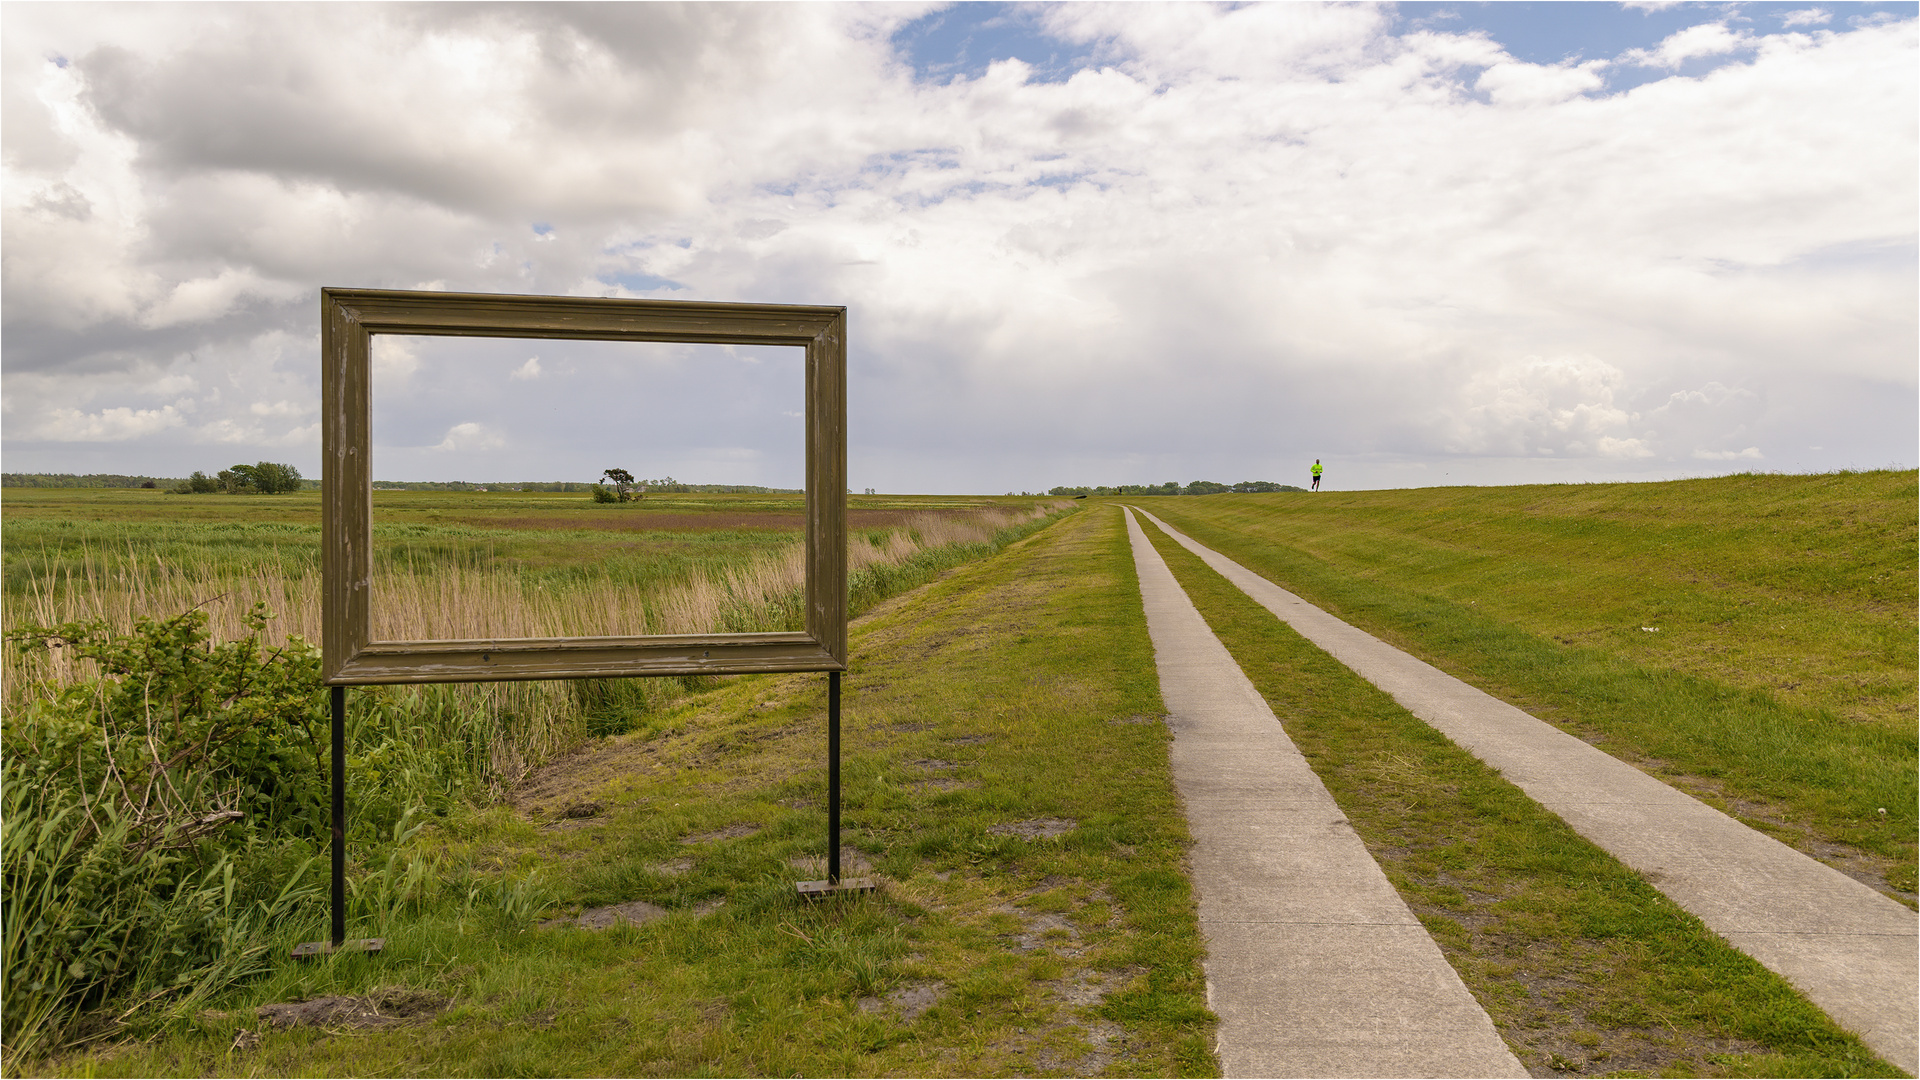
(155, 816)
(180, 728)
(166, 817)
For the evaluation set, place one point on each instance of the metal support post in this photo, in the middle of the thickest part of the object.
(339, 725)
(833, 884)
(337, 942)
(833, 778)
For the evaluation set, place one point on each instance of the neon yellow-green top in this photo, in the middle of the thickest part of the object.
(1316, 468)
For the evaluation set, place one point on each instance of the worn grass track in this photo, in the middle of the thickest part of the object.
(1583, 966)
(1748, 638)
(1005, 774)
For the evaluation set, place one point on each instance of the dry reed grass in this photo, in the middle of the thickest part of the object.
(762, 594)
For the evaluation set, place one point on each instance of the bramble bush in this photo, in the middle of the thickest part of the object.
(164, 817)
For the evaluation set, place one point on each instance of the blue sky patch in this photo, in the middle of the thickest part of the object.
(965, 39)
(1553, 33)
(635, 281)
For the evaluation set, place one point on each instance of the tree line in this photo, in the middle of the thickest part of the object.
(1198, 487)
(262, 478)
(84, 480)
(621, 486)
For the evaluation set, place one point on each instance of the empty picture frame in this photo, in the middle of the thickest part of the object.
(349, 318)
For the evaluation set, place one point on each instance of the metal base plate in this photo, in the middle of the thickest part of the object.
(814, 890)
(324, 948)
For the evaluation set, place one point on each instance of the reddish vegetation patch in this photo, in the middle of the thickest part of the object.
(616, 521)
(620, 520)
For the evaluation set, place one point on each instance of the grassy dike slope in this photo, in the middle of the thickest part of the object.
(1777, 682)
(1003, 775)
(1583, 967)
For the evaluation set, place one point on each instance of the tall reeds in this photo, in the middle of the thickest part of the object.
(525, 722)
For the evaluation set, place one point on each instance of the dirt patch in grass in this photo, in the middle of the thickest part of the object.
(382, 1008)
(631, 913)
(905, 1002)
(943, 784)
(1071, 1036)
(1106, 1041)
(731, 832)
(1035, 829)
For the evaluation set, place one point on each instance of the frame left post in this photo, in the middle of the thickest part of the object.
(339, 709)
(337, 939)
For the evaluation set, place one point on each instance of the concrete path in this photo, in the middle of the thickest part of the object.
(1315, 966)
(1852, 951)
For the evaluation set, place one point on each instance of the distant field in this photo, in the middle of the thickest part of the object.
(152, 549)
(1751, 637)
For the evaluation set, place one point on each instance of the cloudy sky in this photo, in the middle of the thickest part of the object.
(1428, 243)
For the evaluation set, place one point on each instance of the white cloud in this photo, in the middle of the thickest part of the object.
(527, 371)
(1547, 405)
(207, 298)
(394, 360)
(1807, 17)
(1608, 447)
(470, 437)
(1751, 453)
(108, 425)
(1516, 83)
(1705, 39)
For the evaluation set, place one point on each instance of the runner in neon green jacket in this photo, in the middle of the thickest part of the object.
(1316, 474)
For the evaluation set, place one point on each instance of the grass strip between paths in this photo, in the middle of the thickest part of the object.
(1005, 775)
(1583, 966)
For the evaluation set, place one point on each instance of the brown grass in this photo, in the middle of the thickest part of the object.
(461, 603)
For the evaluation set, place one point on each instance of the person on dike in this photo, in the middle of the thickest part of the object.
(1316, 474)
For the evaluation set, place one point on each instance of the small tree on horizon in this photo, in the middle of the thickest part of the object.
(622, 483)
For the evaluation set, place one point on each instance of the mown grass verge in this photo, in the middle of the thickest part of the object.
(1583, 967)
(1777, 680)
(165, 781)
(1005, 776)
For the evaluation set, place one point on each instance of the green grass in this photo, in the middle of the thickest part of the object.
(1779, 679)
(1010, 690)
(1582, 965)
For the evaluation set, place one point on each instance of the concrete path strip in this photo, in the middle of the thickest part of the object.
(1852, 951)
(1315, 965)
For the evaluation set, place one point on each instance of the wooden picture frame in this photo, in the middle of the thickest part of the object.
(349, 319)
